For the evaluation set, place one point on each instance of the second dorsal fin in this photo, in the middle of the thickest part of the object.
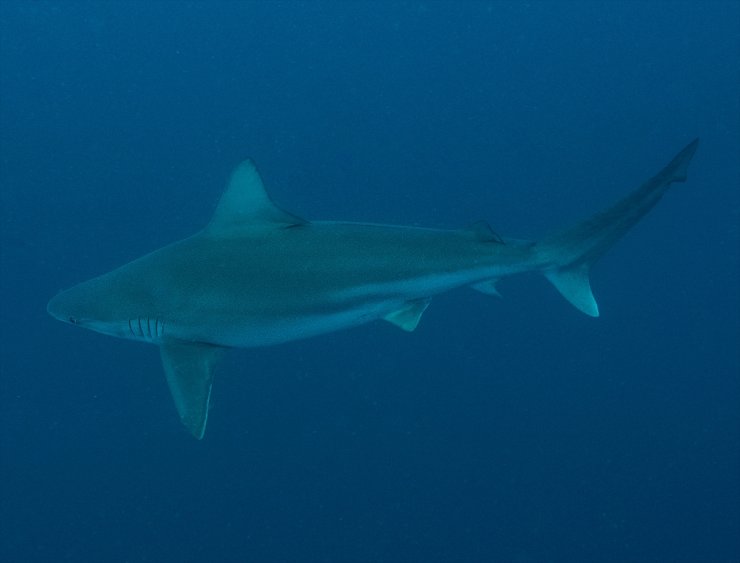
(484, 233)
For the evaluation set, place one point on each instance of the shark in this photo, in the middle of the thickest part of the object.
(258, 275)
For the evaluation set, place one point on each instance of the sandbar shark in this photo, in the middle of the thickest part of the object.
(258, 275)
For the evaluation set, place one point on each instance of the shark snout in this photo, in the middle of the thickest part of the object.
(86, 305)
(56, 309)
(65, 307)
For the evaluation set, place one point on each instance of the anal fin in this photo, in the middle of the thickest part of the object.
(188, 367)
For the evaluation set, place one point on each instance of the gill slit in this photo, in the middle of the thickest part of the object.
(136, 328)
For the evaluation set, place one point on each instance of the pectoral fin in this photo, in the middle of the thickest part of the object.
(408, 316)
(188, 367)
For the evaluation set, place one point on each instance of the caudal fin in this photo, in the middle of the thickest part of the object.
(567, 256)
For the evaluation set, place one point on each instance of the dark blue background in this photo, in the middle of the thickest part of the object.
(501, 430)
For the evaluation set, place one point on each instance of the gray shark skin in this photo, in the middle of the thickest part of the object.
(257, 275)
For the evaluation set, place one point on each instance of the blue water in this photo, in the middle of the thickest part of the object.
(500, 430)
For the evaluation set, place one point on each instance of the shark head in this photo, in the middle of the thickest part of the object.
(99, 305)
(82, 306)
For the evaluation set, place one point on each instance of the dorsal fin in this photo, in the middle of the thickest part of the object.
(246, 205)
(484, 233)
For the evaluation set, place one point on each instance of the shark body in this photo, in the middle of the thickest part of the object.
(258, 275)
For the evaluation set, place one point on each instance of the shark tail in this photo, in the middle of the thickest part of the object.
(567, 256)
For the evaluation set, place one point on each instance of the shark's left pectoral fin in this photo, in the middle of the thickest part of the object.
(408, 316)
(188, 367)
